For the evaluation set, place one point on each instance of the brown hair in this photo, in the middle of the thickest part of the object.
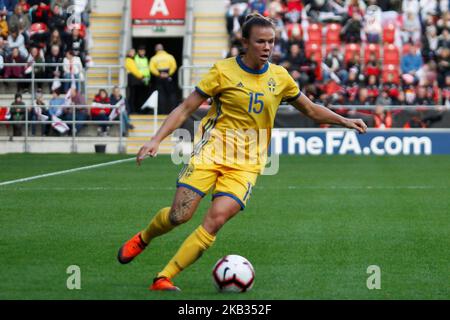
(255, 19)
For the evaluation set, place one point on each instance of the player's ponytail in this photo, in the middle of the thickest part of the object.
(255, 19)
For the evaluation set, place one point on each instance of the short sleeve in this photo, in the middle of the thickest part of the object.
(290, 91)
(209, 86)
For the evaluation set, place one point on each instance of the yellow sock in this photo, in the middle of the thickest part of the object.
(159, 225)
(191, 249)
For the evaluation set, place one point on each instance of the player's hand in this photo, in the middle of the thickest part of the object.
(357, 124)
(149, 148)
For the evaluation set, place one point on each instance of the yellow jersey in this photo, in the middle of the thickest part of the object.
(244, 105)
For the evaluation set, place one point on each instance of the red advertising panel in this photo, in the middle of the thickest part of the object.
(158, 12)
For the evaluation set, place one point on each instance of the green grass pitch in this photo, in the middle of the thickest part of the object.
(310, 231)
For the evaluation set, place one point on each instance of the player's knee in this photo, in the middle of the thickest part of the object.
(214, 222)
(178, 216)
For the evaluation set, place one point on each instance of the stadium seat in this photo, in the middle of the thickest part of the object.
(37, 27)
(333, 33)
(389, 33)
(350, 50)
(369, 49)
(391, 69)
(391, 55)
(294, 29)
(314, 47)
(4, 114)
(315, 33)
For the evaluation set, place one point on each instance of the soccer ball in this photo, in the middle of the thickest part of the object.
(233, 273)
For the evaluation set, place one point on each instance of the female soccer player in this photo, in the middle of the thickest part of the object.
(246, 92)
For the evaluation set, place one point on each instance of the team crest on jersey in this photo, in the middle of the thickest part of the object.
(240, 85)
(271, 85)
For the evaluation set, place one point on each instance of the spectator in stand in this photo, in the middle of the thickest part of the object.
(411, 28)
(19, 21)
(39, 11)
(355, 7)
(162, 67)
(116, 99)
(54, 72)
(295, 35)
(55, 102)
(351, 32)
(293, 10)
(25, 6)
(423, 97)
(4, 30)
(57, 20)
(35, 56)
(355, 63)
(17, 114)
(72, 71)
(335, 63)
(443, 65)
(373, 90)
(372, 23)
(411, 6)
(8, 6)
(430, 43)
(311, 67)
(234, 24)
(15, 71)
(295, 58)
(75, 98)
(56, 39)
(383, 99)
(410, 94)
(16, 40)
(443, 22)
(258, 6)
(444, 39)
(445, 92)
(280, 48)
(391, 88)
(275, 7)
(134, 80)
(40, 113)
(363, 99)
(294, 63)
(382, 118)
(77, 45)
(352, 87)
(373, 67)
(411, 62)
(100, 111)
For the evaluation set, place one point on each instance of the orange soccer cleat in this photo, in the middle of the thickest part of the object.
(163, 284)
(131, 249)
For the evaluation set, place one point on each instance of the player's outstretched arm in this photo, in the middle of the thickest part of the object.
(322, 114)
(175, 119)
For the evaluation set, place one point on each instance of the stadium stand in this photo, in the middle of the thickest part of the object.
(348, 49)
(326, 25)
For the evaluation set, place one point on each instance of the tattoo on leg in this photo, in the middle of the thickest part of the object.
(182, 210)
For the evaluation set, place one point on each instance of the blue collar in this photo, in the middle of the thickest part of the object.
(250, 70)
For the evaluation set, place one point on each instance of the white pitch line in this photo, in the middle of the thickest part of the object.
(64, 171)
